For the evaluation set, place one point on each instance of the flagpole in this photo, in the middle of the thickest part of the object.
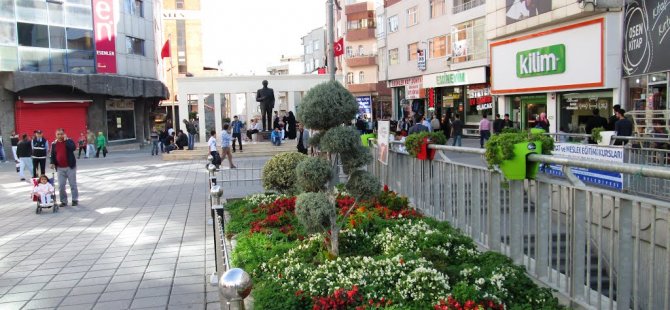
(331, 40)
(173, 95)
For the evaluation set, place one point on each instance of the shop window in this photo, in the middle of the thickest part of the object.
(8, 58)
(393, 23)
(57, 37)
(79, 39)
(34, 59)
(33, 35)
(7, 33)
(31, 11)
(78, 17)
(134, 7)
(437, 8)
(393, 57)
(413, 51)
(120, 125)
(57, 60)
(56, 16)
(577, 108)
(7, 9)
(412, 16)
(80, 62)
(135, 46)
(437, 47)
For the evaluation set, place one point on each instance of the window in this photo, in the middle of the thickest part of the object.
(81, 62)
(437, 47)
(8, 58)
(34, 59)
(56, 16)
(79, 17)
(33, 35)
(316, 45)
(31, 11)
(57, 60)
(350, 51)
(182, 67)
(134, 7)
(7, 9)
(412, 51)
(393, 23)
(350, 78)
(57, 37)
(135, 46)
(7, 33)
(468, 41)
(412, 16)
(361, 50)
(380, 26)
(393, 57)
(179, 4)
(437, 8)
(79, 39)
(308, 49)
(361, 77)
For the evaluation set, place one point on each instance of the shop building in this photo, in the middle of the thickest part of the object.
(564, 60)
(79, 65)
(646, 66)
(435, 55)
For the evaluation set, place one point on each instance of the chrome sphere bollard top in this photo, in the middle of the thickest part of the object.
(210, 158)
(216, 191)
(235, 284)
(211, 168)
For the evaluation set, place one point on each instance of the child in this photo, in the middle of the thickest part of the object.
(82, 145)
(276, 136)
(226, 139)
(44, 189)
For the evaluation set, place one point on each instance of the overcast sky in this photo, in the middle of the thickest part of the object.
(249, 35)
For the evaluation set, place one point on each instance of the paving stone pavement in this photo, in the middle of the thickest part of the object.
(138, 239)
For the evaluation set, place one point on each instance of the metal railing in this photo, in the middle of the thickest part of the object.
(468, 5)
(601, 249)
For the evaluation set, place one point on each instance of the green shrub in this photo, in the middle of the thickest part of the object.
(269, 296)
(279, 172)
(355, 158)
(254, 249)
(362, 185)
(340, 139)
(327, 105)
(313, 173)
(314, 211)
(501, 146)
(413, 142)
(315, 139)
(595, 134)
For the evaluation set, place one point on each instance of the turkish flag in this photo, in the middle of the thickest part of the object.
(165, 52)
(339, 47)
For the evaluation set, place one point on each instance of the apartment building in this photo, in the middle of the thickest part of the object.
(435, 57)
(314, 45)
(80, 65)
(361, 62)
(562, 58)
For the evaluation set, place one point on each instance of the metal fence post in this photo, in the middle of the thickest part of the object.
(460, 198)
(494, 218)
(578, 251)
(625, 255)
(516, 220)
(542, 237)
(475, 205)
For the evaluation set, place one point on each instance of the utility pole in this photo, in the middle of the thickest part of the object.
(331, 40)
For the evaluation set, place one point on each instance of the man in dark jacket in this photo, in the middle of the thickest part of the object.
(418, 127)
(623, 127)
(23, 151)
(498, 125)
(190, 129)
(40, 150)
(63, 160)
(182, 140)
(613, 119)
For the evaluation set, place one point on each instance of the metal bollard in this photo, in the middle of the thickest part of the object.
(234, 286)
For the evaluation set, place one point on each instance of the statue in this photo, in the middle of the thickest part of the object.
(266, 97)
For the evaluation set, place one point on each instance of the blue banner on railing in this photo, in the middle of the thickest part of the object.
(590, 152)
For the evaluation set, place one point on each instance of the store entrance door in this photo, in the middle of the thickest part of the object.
(530, 107)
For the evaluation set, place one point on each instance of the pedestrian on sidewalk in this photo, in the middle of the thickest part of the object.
(190, 129)
(101, 145)
(457, 130)
(14, 139)
(213, 150)
(82, 145)
(23, 151)
(484, 130)
(237, 132)
(90, 143)
(3, 159)
(226, 137)
(154, 141)
(63, 160)
(39, 153)
(498, 125)
(303, 139)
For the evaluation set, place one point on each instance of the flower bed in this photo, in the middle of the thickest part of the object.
(390, 257)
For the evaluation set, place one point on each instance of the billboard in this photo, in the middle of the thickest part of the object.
(104, 23)
(646, 41)
(590, 152)
(364, 106)
(516, 10)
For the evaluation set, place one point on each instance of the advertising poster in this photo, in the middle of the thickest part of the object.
(364, 106)
(104, 22)
(646, 39)
(517, 10)
(590, 152)
(383, 132)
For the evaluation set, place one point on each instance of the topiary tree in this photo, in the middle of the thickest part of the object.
(326, 107)
(278, 170)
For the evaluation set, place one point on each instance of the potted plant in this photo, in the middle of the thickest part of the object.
(417, 144)
(509, 150)
(595, 134)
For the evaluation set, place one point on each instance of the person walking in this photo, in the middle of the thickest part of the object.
(63, 160)
(90, 143)
(101, 145)
(14, 140)
(498, 125)
(23, 151)
(81, 143)
(457, 130)
(40, 148)
(445, 126)
(226, 137)
(484, 130)
(3, 159)
(190, 129)
(237, 126)
(154, 141)
(303, 139)
(623, 127)
(543, 122)
(211, 143)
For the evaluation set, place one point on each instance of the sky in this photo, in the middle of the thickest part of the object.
(249, 35)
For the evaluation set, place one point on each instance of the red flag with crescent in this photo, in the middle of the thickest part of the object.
(339, 47)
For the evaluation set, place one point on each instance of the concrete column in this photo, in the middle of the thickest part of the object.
(218, 123)
(7, 121)
(291, 101)
(251, 106)
(234, 109)
(202, 130)
(552, 111)
(183, 110)
(139, 120)
(97, 115)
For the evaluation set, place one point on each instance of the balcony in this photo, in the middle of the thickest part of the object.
(467, 5)
(361, 7)
(378, 88)
(361, 61)
(360, 34)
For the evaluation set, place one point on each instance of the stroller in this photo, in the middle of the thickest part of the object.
(38, 201)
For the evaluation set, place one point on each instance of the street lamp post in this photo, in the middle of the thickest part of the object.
(331, 39)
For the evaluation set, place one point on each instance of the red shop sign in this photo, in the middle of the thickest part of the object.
(104, 23)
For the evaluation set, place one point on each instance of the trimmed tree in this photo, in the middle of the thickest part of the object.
(277, 169)
(327, 108)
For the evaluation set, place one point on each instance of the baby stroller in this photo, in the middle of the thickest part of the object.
(38, 201)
